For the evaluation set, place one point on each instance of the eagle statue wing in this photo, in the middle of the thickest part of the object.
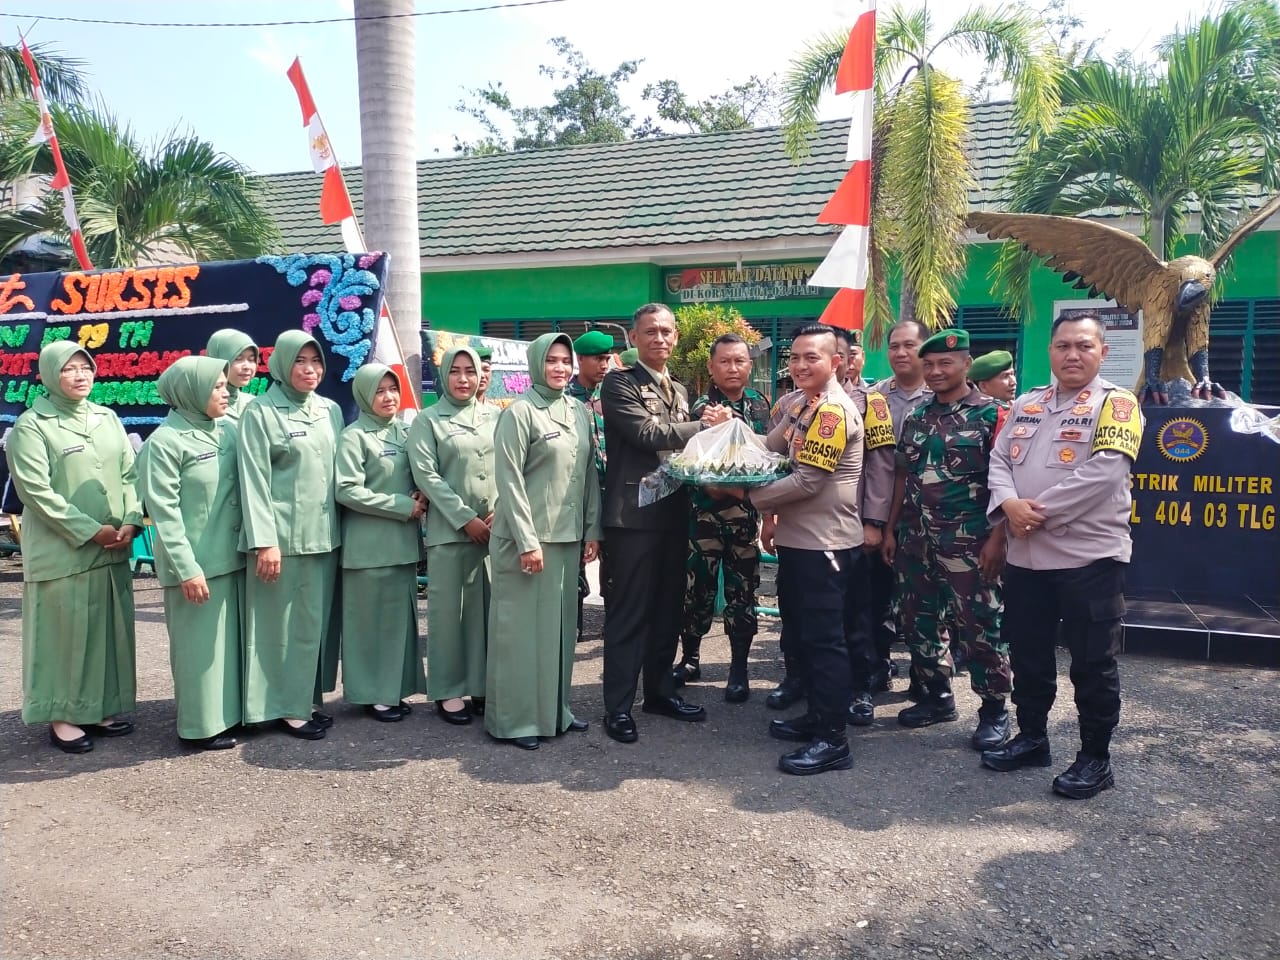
(1239, 233)
(1110, 261)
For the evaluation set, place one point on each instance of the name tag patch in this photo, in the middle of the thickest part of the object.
(76, 449)
(206, 456)
(551, 436)
(388, 453)
(293, 434)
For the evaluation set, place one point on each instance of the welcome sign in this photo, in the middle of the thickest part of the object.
(135, 322)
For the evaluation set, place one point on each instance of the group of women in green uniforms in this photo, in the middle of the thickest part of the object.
(283, 537)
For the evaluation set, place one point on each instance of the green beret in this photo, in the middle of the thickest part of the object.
(950, 340)
(593, 343)
(855, 337)
(484, 353)
(989, 364)
(629, 357)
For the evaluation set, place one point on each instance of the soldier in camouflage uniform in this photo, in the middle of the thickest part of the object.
(948, 566)
(722, 534)
(593, 349)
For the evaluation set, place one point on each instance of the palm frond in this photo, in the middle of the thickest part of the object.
(62, 77)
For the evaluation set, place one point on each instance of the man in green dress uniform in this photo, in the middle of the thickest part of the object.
(994, 375)
(723, 532)
(594, 350)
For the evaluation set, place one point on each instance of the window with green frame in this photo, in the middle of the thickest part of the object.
(991, 328)
(1244, 348)
(531, 329)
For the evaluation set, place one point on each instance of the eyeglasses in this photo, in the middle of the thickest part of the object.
(78, 368)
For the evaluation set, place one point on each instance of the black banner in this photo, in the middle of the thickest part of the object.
(136, 322)
(1205, 500)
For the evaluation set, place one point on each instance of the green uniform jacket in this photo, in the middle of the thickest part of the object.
(190, 484)
(60, 469)
(452, 453)
(547, 481)
(374, 486)
(287, 474)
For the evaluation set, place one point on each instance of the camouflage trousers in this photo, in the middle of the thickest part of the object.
(720, 547)
(940, 585)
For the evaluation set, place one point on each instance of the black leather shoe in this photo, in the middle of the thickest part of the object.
(1023, 750)
(526, 743)
(222, 741)
(457, 717)
(116, 728)
(406, 708)
(738, 689)
(675, 708)
(81, 744)
(477, 706)
(621, 727)
(308, 731)
(801, 729)
(818, 757)
(789, 692)
(935, 709)
(576, 726)
(1085, 778)
(862, 712)
(879, 681)
(686, 671)
(386, 714)
(993, 726)
(321, 720)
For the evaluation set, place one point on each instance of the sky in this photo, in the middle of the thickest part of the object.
(228, 85)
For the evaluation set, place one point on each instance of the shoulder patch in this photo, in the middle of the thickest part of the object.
(1119, 425)
(825, 440)
(878, 422)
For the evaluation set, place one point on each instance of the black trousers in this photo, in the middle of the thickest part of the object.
(820, 595)
(859, 633)
(643, 616)
(883, 583)
(1089, 602)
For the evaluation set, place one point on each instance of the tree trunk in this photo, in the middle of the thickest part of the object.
(906, 301)
(385, 62)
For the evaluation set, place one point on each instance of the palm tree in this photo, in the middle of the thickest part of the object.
(920, 175)
(179, 198)
(1198, 130)
(385, 64)
(60, 76)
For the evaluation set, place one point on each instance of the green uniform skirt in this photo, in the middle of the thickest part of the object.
(533, 625)
(457, 619)
(205, 655)
(78, 648)
(287, 629)
(381, 662)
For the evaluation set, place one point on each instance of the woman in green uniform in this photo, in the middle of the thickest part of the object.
(548, 504)
(240, 353)
(381, 663)
(451, 449)
(190, 485)
(73, 467)
(288, 437)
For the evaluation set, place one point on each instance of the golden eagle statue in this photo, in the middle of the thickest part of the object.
(1173, 296)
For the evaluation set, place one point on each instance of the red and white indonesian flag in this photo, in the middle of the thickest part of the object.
(61, 182)
(335, 202)
(335, 207)
(846, 264)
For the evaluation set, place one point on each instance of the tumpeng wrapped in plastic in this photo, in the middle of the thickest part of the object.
(727, 455)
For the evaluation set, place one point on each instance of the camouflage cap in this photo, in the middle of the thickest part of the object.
(950, 340)
(989, 364)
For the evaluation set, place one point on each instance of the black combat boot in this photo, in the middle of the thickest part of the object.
(792, 688)
(880, 675)
(829, 750)
(688, 670)
(1024, 750)
(993, 725)
(915, 689)
(938, 706)
(738, 689)
(801, 729)
(1091, 773)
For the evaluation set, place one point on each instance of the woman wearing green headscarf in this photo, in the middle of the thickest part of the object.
(240, 354)
(451, 449)
(190, 484)
(548, 505)
(381, 663)
(288, 437)
(73, 467)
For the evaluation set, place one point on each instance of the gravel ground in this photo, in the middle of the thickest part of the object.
(425, 840)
